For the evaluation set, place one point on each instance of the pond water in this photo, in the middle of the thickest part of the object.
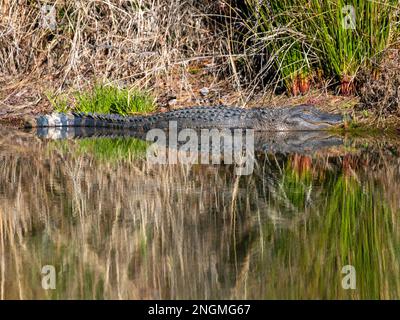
(114, 226)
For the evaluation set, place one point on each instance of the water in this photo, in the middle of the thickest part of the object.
(116, 227)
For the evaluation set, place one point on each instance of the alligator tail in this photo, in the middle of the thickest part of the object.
(51, 120)
(73, 125)
(84, 120)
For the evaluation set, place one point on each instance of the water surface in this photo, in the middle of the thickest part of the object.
(116, 227)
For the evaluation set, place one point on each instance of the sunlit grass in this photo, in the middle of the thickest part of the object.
(105, 99)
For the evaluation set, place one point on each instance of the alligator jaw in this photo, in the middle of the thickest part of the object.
(310, 118)
(326, 124)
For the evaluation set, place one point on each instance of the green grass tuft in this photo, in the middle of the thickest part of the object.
(105, 100)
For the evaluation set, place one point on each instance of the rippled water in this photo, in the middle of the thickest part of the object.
(115, 227)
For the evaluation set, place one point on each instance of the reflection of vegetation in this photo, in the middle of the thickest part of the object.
(107, 99)
(66, 260)
(350, 224)
(112, 149)
(105, 149)
(133, 230)
(295, 186)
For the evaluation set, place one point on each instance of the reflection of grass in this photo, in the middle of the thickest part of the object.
(295, 186)
(361, 222)
(106, 149)
(351, 224)
(113, 149)
(113, 232)
(106, 99)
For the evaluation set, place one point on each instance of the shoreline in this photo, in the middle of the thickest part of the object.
(362, 120)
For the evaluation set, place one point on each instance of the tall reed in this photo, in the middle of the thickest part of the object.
(337, 37)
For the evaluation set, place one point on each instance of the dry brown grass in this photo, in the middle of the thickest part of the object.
(380, 91)
(143, 44)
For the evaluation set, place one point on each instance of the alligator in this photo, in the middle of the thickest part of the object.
(298, 118)
(299, 129)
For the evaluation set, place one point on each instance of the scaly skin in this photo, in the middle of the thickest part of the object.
(299, 118)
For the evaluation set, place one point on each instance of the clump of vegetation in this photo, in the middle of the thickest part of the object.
(107, 99)
(334, 37)
(274, 25)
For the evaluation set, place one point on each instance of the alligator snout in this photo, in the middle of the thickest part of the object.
(310, 118)
(325, 118)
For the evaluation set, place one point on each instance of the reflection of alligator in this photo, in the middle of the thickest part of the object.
(303, 117)
(264, 141)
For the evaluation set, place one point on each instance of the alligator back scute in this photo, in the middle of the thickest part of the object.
(218, 117)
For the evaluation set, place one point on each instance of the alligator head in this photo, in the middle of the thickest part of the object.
(306, 117)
